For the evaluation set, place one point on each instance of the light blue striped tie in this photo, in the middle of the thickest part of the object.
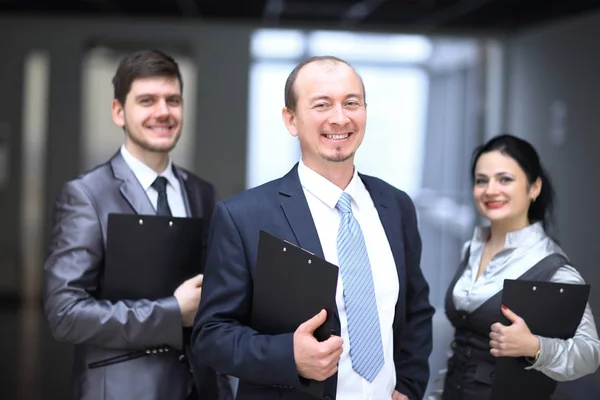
(366, 349)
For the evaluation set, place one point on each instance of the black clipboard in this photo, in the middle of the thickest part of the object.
(292, 285)
(550, 310)
(149, 256)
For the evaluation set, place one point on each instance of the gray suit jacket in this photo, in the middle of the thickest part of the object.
(100, 329)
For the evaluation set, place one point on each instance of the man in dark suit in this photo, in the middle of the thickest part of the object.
(360, 223)
(139, 179)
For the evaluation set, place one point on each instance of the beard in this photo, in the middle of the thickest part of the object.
(338, 158)
(144, 144)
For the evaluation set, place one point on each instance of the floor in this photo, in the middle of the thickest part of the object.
(33, 365)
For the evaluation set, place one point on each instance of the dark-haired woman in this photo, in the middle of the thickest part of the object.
(513, 192)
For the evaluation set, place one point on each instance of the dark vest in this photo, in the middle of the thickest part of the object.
(471, 369)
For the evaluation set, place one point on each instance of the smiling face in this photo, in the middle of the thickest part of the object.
(502, 191)
(330, 117)
(151, 115)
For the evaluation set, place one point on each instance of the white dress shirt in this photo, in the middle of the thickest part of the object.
(559, 359)
(146, 176)
(322, 197)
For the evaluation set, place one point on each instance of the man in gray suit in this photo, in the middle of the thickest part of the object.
(140, 178)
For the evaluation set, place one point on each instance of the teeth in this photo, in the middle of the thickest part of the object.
(160, 128)
(337, 137)
(495, 203)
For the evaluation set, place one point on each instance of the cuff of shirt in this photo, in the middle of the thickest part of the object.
(545, 353)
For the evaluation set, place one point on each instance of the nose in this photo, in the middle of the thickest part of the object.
(491, 188)
(161, 109)
(338, 116)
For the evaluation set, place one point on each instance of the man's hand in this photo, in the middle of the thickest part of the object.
(398, 396)
(188, 296)
(316, 360)
(515, 340)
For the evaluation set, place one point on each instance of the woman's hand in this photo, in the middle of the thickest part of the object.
(515, 340)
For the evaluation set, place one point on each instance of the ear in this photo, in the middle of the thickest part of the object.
(289, 119)
(118, 113)
(535, 189)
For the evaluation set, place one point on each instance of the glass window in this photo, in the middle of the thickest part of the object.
(272, 151)
(275, 43)
(371, 47)
(396, 116)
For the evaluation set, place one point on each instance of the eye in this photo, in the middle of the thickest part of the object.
(174, 102)
(505, 179)
(480, 181)
(145, 101)
(321, 105)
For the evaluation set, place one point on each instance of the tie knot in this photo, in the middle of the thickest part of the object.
(160, 184)
(344, 203)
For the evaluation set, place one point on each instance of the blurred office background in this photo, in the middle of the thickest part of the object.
(441, 77)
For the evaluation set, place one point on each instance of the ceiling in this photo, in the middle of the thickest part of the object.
(428, 15)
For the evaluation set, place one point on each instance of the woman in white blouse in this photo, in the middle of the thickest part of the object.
(512, 191)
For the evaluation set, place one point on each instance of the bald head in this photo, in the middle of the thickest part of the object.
(323, 63)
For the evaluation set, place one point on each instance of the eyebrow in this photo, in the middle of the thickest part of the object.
(496, 174)
(169, 96)
(324, 97)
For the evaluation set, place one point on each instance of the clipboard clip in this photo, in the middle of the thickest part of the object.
(561, 290)
(141, 222)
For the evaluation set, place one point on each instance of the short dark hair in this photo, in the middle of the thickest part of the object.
(143, 64)
(291, 97)
(527, 157)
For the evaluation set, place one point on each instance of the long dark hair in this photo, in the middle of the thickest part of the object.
(542, 209)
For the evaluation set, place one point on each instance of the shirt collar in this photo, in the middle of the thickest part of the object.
(522, 237)
(144, 174)
(325, 190)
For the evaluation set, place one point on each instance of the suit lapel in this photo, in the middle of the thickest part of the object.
(191, 197)
(390, 219)
(298, 214)
(131, 188)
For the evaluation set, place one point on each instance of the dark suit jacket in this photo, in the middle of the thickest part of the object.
(265, 363)
(100, 329)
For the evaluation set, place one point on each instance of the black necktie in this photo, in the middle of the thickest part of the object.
(162, 205)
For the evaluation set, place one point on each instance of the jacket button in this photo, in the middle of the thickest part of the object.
(181, 357)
